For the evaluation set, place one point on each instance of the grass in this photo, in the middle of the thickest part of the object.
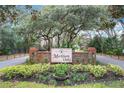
(24, 84)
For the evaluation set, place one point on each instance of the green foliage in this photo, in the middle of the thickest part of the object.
(110, 45)
(109, 52)
(60, 21)
(116, 69)
(41, 78)
(80, 67)
(78, 77)
(23, 71)
(7, 11)
(76, 68)
(45, 73)
(67, 82)
(116, 11)
(52, 82)
(26, 84)
(61, 69)
(45, 60)
(98, 71)
(17, 71)
(117, 51)
(5, 51)
(96, 42)
(78, 60)
(29, 61)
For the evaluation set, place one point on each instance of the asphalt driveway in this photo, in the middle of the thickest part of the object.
(108, 60)
(12, 62)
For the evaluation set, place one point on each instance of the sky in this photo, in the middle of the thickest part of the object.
(35, 7)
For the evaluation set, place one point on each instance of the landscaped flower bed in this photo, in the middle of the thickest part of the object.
(62, 74)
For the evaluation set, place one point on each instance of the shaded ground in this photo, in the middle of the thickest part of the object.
(108, 60)
(12, 62)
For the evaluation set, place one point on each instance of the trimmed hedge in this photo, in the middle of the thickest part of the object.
(45, 72)
(98, 71)
(22, 71)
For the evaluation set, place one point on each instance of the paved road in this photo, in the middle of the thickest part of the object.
(13, 62)
(109, 60)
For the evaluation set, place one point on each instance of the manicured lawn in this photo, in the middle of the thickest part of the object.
(24, 84)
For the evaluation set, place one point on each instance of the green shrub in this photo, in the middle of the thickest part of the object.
(46, 60)
(17, 71)
(29, 61)
(52, 82)
(61, 69)
(78, 60)
(23, 71)
(117, 51)
(116, 69)
(5, 51)
(1, 52)
(43, 77)
(77, 77)
(98, 71)
(76, 68)
(67, 82)
(46, 72)
(110, 52)
(80, 67)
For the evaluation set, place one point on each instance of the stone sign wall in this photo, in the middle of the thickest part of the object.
(45, 56)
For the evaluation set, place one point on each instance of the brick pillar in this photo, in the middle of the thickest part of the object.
(92, 52)
(32, 50)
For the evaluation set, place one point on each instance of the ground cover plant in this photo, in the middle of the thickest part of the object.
(62, 74)
(25, 84)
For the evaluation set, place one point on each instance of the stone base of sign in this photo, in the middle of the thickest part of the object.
(45, 56)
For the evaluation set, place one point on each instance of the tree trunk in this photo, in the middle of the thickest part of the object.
(101, 42)
(49, 45)
(58, 42)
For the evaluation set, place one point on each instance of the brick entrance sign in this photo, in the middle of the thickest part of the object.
(45, 56)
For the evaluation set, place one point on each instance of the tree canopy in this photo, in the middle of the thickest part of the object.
(54, 26)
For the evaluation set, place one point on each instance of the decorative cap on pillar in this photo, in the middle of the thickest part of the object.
(32, 50)
(91, 50)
